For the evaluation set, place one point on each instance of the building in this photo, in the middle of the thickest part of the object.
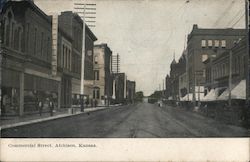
(119, 88)
(218, 69)
(90, 38)
(102, 91)
(130, 91)
(69, 57)
(26, 70)
(203, 44)
(172, 80)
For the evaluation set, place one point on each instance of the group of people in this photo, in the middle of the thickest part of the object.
(50, 105)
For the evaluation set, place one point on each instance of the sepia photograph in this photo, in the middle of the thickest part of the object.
(124, 69)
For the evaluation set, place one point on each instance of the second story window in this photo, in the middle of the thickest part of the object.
(96, 60)
(210, 43)
(203, 43)
(223, 43)
(96, 74)
(216, 43)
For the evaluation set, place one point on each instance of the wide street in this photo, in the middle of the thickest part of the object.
(131, 121)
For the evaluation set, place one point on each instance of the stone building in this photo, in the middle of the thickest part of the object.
(207, 43)
(102, 91)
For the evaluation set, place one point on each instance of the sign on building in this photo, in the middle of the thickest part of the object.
(54, 44)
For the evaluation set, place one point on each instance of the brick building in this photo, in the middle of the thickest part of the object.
(102, 91)
(26, 69)
(119, 88)
(130, 91)
(172, 81)
(207, 43)
(217, 72)
(71, 24)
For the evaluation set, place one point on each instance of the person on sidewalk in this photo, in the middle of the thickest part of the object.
(40, 107)
(51, 107)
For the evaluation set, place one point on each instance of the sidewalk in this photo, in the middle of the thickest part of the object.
(14, 121)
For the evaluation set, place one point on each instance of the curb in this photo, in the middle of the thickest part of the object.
(46, 119)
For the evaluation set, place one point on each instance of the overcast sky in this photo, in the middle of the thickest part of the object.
(146, 33)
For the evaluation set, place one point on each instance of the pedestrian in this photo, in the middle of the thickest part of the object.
(40, 107)
(95, 103)
(51, 107)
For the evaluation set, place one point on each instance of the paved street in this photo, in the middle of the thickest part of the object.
(140, 120)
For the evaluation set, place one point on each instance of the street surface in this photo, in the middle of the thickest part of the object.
(131, 121)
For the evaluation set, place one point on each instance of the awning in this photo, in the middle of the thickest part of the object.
(212, 95)
(189, 97)
(170, 98)
(238, 92)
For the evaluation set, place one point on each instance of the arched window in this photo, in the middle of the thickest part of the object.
(8, 29)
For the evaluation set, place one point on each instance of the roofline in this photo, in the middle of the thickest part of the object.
(32, 5)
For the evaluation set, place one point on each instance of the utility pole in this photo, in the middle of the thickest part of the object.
(230, 78)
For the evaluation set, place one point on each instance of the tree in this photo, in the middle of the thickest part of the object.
(139, 96)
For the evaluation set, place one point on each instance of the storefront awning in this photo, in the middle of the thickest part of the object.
(212, 95)
(238, 92)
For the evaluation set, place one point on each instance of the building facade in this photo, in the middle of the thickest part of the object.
(203, 44)
(71, 24)
(218, 70)
(102, 91)
(26, 69)
(130, 91)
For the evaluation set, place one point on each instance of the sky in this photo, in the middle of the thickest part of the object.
(148, 33)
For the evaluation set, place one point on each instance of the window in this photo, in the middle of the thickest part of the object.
(223, 43)
(35, 41)
(210, 43)
(93, 93)
(42, 43)
(96, 60)
(28, 32)
(48, 47)
(216, 43)
(204, 57)
(96, 74)
(203, 43)
(98, 93)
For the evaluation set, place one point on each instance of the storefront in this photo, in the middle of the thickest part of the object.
(10, 92)
(39, 89)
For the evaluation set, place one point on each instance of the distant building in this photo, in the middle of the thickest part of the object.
(102, 91)
(119, 88)
(172, 83)
(130, 91)
(207, 43)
